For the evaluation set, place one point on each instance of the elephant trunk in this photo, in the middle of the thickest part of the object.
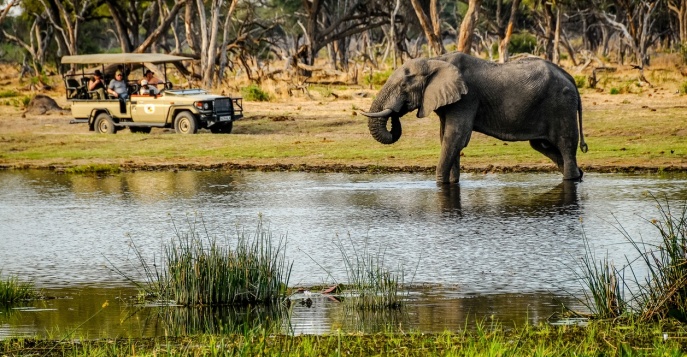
(381, 133)
(378, 117)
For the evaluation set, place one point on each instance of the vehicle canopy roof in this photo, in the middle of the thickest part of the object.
(107, 58)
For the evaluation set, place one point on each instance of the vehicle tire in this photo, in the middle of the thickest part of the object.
(104, 124)
(140, 129)
(222, 129)
(185, 123)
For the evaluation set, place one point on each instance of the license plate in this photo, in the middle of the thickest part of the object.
(225, 118)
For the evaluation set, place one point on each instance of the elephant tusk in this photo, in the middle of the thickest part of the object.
(383, 114)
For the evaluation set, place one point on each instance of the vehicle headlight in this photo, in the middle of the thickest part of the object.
(203, 105)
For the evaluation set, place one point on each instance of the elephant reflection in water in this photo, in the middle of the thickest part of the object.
(563, 196)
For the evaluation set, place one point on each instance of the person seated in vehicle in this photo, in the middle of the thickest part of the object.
(118, 87)
(147, 89)
(96, 85)
(151, 79)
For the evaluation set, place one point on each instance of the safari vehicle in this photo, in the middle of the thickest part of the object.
(184, 110)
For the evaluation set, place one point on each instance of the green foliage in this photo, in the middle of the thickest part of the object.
(254, 93)
(580, 81)
(94, 169)
(12, 290)
(683, 88)
(615, 90)
(378, 78)
(199, 270)
(522, 43)
(683, 52)
(8, 93)
(603, 296)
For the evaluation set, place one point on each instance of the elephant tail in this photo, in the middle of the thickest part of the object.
(583, 145)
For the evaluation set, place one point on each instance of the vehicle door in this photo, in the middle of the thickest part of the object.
(149, 109)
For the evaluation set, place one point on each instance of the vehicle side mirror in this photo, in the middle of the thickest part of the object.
(151, 92)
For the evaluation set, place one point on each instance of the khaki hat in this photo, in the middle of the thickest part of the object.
(118, 72)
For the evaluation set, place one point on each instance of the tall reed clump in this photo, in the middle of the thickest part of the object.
(662, 292)
(13, 290)
(198, 270)
(374, 285)
(603, 294)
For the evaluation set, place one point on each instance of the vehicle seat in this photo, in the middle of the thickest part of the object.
(74, 89)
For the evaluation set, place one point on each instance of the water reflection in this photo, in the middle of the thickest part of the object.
(79, 313)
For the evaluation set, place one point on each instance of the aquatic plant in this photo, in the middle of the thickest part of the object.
(199, 270)
(603, 294)
(660, 294)
(374, 285)
(13, 290)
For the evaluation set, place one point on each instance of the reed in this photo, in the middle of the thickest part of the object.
(374, 285)
(603, 295)
(662, 293)
(199, 270)
(13, 290)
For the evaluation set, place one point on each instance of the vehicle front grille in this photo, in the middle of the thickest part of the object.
(223, 105)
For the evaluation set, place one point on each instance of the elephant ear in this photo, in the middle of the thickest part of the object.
(444, 86)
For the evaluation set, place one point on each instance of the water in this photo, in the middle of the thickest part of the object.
(486, 243)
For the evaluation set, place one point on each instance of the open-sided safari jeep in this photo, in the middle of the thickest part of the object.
(184, 110)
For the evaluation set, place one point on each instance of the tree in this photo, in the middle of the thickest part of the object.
(679, 7)
(634, 20)
(431, 25)
(505, 32)
(467, 26)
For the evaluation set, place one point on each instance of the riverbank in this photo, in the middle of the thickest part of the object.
(642, 132)
(598, 338)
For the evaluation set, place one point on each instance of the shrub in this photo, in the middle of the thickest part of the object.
(615, 90)
(255, 93)
(683, 88)
(522, 43)
(580, 81)
(378, 78)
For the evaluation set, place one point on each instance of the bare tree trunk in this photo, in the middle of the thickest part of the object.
(679, 7)
(557, 38)
(392, 35)
(224, 59)
(503, 45)
(467, 27)
(431, 27)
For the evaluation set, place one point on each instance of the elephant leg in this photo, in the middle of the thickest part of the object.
(456, 136)
(549, 150)
(455, 169)
(564, 159)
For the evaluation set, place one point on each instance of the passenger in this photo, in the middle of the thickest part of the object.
(118, 87)
(146, 89)
(97, 84)
(151, 79)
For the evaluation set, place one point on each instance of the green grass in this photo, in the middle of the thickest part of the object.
(94, 168)
(198, 270)
(8, 93)
(13, 290)
(487, 339)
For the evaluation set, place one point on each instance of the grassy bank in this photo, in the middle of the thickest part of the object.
(625, 132)
(597, 339)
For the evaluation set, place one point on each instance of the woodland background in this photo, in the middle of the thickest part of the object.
(339, 41)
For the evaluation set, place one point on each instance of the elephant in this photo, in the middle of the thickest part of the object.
(528, 99)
